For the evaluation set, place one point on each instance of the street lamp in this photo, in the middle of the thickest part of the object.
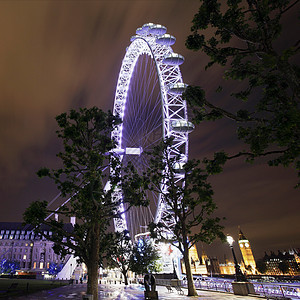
(239, 276)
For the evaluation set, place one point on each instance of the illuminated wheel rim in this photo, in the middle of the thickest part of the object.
(149, 102)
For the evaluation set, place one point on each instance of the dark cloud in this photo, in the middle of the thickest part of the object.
(57, 55)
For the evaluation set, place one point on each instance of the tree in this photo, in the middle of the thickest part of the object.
(261, 266)
(189, 207)
(139, 257)
(283, 266)
(249, 268)
(242, 37)
(144, 258)
(120, 252)
(8, 266)
(54, 268)
(86, 158)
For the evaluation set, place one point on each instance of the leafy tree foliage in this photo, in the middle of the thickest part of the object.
(8, 266)
(139, 257)
(189, 206)
(144, 258)
(86, 160)
(261, 266)
(283, 266)
(242, 37)
(248, 268)
(54, 268)
(120, 252)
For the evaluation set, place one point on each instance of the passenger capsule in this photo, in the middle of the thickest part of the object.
(146, 27)
(182, 126)
(133, 38)
(173, 59)
(166, 39)
(139, 31)
(157, 29)
(179, 167)
(177, 88)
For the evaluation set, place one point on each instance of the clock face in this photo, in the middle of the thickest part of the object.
(246, 245)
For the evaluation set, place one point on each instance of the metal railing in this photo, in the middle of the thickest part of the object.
(212, 285)
(278, 290)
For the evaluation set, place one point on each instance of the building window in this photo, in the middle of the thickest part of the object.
(24, 256)
(41, 265)
(34, 265)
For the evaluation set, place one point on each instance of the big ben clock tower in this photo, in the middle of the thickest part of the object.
(247, 255)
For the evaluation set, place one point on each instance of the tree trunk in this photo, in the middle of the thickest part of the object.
(92, 284)
(190, 281)
(93, 263)
(125, 277)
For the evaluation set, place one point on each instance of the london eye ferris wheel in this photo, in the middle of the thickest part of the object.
(148, 99)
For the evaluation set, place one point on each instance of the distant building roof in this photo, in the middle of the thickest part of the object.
(27, 227)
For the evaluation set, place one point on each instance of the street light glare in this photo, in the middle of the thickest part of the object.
(230, 240)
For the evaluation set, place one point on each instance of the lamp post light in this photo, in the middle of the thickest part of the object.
(239, 276)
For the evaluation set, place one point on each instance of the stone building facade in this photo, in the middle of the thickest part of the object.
(20, 244)
(291, 258)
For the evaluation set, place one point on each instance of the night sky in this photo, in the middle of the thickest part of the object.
(58, 55)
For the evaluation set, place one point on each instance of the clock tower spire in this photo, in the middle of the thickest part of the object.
(247, 254)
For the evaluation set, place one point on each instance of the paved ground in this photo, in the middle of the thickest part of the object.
(120, 292)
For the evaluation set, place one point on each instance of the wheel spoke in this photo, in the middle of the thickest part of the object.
(146, 108)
